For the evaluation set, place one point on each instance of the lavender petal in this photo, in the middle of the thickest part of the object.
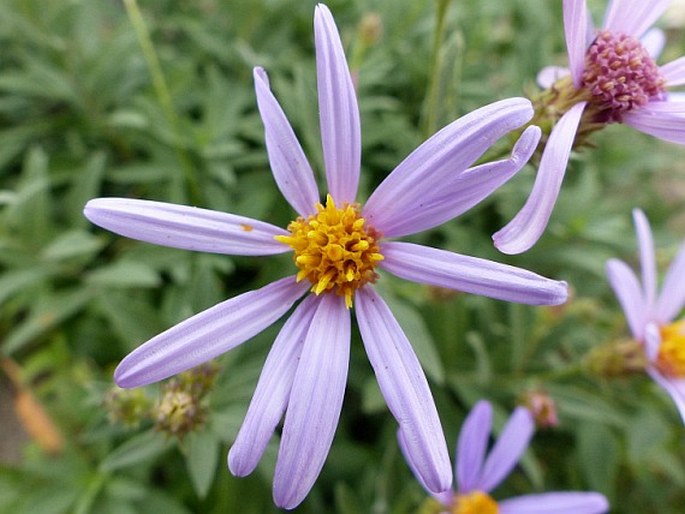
(470, 274)
(674, 387)
(556, 503)
(273, 391)
(548, 75)
(664, 119)
(405, 389)
(445, 497)
(447, 153)
(653, 41)
(460, 193)
(291, 170)
(208, 334)
(672, 297)
(647, 258)
(674, 72)
(315, 402)
(512, 442)
(629, 293)
(338, 110)
(471, 447)
(189, 228)
(525, 229)
(575, 27)
(631, 17)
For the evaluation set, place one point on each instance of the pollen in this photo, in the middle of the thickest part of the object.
(334, 249)
(476, 502)
(671, 358)
(620, 76)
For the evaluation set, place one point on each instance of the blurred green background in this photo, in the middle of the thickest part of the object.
(89, 108)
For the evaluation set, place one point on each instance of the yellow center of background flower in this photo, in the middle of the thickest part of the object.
(334, 249)
(476, 502)
(671, 359)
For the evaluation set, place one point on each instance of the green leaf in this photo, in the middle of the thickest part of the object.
(202, 460)
(14, 281)
(71, 244)
(133, 319)
(124, 274)
(599, 456)
(86, 185)
(49, 313)
(140, 449)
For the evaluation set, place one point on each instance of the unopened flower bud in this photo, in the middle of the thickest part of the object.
(543, 408)
(616, 359)
(179, 413)
(370, 28)
(127, 407)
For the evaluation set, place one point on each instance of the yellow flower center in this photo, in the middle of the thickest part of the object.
(476, 502)
(334, 249)
(671, 359)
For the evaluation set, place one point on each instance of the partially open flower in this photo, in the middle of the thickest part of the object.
(612, 77)
(650, 316)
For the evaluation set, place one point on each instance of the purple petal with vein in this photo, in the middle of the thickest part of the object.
(647, 259)
(664, 120)
(525, 229)
(629, 293)
(273, 390)
(512, 442)
(672, 297)
(441, 268)
(461, 192)
(405, 389)
(444, 497)
(338, 110)
(654, 41)
(631, 17)
(289, 165)
(315, 402)
(208, 334)
(674, 387)
(447, 153)
(471, 447)
(556, 503)
(575, 27)
(189, 228)
(674, 72)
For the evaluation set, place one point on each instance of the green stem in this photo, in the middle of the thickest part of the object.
(162, 91)
(431, 113)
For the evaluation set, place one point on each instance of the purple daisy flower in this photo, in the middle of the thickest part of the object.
(612, 78)
(477, 474)
(337, 248)
(650, 315)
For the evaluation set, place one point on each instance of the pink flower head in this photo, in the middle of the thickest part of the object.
(650, 315)
(479, 472)
(337, 249)
(613, 78)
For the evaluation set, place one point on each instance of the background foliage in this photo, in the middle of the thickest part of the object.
(83, 113)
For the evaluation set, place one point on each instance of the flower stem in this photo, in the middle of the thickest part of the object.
(162, 91)
(431, 112)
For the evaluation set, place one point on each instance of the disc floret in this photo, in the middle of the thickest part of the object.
(476, 502)
(620, 76)
(334, 249)
(671, 358)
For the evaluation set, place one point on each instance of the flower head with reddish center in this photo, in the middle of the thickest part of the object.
(478, 472)
(338, 248)
(650, 316)
(612, 77)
